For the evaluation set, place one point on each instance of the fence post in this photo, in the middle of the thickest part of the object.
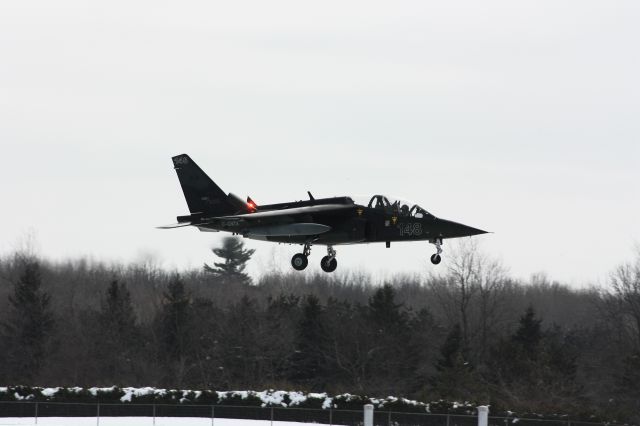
(389, 422)
(448, 419)
(330, 416)
(154, 414)
(36, 412)
(483, 415)
(368, 415)
(98, 415)
(213, 414)
(271, 416)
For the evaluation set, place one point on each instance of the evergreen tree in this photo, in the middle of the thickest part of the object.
(243, 344)
(451, 349)
(422, 351)
(385, 312)
(307, 362)
(516, 356)
(117, 312)
(529, 334)
(560, 353)
(392, 351)
(176, 319)
(28, 327)
(536, 366)
(235, 258)
(282, 319)
(628, 385)
(117, 337)
(350, 344)
(456, 377)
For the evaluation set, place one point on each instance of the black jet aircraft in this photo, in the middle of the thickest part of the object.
(324, 221)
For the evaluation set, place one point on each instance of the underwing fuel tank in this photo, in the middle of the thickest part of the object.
(292, 229)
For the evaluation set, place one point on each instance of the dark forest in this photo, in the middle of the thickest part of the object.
(467, 331)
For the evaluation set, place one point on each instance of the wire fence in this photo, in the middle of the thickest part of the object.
(29, 412)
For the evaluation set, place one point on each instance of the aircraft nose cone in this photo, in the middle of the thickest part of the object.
(454, 229)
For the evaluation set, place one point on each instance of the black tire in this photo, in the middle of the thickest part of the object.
(435, 259)
(328, 264)
(299, 261)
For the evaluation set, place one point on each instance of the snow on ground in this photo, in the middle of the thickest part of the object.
(138, 421)
(267, 397)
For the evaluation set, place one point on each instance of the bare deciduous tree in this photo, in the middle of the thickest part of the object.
(625, 297)
(472, 293)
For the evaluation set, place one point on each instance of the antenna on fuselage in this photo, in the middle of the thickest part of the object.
(310, 196)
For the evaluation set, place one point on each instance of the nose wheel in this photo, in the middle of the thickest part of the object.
(329, 262)
(299, 261)
(436, 258)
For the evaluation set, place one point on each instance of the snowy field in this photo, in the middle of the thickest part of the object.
(139, 421)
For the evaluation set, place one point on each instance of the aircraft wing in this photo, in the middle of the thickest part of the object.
(288, 230)
(270, 222)
(283, 213)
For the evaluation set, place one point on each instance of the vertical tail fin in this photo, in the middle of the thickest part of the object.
(201, 193)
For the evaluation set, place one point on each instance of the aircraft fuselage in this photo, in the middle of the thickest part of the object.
(326, 221)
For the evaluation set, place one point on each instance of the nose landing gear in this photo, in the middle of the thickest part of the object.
(436, 258)
(329, 262)
(299, 261)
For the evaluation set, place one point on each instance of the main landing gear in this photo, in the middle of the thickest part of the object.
(435, 258)
(329, 262)
(300, 261)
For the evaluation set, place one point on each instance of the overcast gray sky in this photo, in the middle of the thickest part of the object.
(518, 117)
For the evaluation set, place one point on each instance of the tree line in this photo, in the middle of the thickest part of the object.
(469, 332)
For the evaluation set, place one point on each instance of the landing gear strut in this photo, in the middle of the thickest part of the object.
(299, 261)
(435, 258)
(329, 262)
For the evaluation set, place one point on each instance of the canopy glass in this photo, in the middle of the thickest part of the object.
(395, 205)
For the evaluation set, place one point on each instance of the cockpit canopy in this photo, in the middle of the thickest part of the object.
(398, 206)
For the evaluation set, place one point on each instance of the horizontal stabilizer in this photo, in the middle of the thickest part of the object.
(288, 230)
(174, 225)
